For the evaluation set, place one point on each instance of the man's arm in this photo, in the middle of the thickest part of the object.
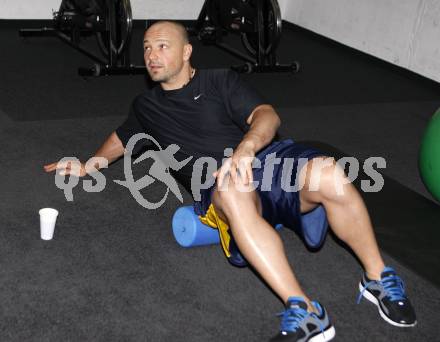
(111, 149)
(264, 123)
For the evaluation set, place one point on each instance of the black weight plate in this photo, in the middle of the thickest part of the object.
(124, 27)
(273, 23)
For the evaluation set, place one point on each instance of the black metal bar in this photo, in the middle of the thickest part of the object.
(272, 58)
(294, 67)
(125, 57)
(235, 52)
(261, 39)
(202, 17)
(113, 57)
(43, 32)
(106, 70)
(69, 41)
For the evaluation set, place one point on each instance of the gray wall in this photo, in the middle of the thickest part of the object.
(142, 9)
(403, 32)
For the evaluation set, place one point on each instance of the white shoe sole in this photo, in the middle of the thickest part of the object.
(325, 336)
(374, 300)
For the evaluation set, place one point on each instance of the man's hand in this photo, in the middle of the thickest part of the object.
(238, 165)
(110, 150)
(67, 167)
(264, 122)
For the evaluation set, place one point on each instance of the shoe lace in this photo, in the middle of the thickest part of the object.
(292, 317)
(393, 286)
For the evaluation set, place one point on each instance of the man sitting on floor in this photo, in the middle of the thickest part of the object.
(206, 111)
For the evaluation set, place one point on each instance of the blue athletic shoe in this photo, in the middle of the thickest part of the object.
(389, 296)
(297, 324)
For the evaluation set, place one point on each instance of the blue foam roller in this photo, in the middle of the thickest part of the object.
(315, 226)
(190, 232)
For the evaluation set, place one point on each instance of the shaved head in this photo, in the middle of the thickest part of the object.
(181, 30)
(167, 54)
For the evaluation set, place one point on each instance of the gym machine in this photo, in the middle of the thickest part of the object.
(110, 21)
(258, 22)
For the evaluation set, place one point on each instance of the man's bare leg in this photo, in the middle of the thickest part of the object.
(346, 213)
(262, 247)
(257, 240)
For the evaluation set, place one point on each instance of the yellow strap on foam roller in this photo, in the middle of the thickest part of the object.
(212, 220)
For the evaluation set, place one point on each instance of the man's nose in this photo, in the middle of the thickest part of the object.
(153, 55)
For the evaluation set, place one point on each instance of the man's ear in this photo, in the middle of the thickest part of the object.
(187, 51)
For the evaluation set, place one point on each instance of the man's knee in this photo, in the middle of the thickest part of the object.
(231, 201)
(325, 179)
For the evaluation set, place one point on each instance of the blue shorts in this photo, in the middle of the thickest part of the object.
(278, 205)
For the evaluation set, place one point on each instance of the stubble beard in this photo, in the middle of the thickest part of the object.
(164, 77)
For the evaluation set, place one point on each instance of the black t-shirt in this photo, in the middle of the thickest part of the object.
(203, 118)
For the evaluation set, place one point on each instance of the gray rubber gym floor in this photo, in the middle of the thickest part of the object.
(114, 272)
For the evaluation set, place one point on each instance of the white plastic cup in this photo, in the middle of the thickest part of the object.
(48, 218)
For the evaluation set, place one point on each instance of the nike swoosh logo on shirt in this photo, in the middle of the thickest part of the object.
(197, 97)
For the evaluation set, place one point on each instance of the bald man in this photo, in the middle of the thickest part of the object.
(207, 111)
